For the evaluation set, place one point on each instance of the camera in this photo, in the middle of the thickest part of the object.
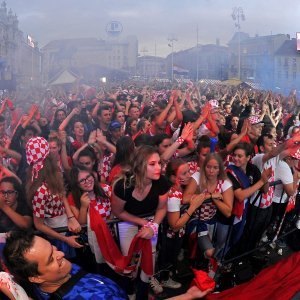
(82, 239)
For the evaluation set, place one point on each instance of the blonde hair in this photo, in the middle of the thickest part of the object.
(222, 174)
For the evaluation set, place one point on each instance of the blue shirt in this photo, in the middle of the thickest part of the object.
(92, 287)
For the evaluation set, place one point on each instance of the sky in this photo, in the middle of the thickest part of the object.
(154, 22)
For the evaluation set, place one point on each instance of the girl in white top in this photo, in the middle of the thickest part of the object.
(213, 183)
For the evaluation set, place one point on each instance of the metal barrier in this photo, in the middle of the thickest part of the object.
(184, 207)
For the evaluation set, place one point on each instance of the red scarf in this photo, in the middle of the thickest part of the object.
(111, 252)
(278, 282)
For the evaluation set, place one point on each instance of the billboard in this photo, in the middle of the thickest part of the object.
(298, 40)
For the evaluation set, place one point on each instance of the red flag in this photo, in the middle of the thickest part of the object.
(111, 252)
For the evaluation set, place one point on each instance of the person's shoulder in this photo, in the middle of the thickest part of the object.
(251, 167)
(162, 184)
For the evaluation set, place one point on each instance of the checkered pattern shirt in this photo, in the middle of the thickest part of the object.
(103, 205)
(193, 167)
(47, 205)
(208, 210)
(105, 167)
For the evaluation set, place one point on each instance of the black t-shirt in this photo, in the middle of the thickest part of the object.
(6, 224)
(149, 204)
(252, 172)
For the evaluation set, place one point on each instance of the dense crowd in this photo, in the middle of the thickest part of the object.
(186, 170)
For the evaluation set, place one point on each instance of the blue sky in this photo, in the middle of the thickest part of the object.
(155, 21)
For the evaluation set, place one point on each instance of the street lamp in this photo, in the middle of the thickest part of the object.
(144, 51)
(171, 44)
(238, 16)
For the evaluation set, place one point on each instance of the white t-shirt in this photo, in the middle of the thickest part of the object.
(174, 201)
(196, 177)
(282, 172)
(267, 198)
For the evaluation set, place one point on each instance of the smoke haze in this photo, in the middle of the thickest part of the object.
(154, 21)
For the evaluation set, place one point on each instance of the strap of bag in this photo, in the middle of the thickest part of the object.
(67, 286)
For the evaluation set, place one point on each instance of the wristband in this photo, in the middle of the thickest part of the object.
(153, 226)
(180, 140)
(70, 217)
(187, 213)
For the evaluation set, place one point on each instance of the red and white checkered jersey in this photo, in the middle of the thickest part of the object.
(193, 165)
(103, 205)
(105, 167)
(47, 205)
(208, 210)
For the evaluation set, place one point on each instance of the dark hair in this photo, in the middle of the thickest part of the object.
(124, 151)
(143, 139)
(101, 109)
(89, 152)
(75, 189)
(141, 124)
(261, 140)
(159, 138)
(2, 119)
(173, 166)
(21, 197)
(129, 121)
(29, 128)
(17, 244)
(203, 142)
(248, 148)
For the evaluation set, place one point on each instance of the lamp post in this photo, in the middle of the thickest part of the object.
(197, 56)
(238, 16)
(144, 51)
(171, 44)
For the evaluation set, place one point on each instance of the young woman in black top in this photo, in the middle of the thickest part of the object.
(144, 191)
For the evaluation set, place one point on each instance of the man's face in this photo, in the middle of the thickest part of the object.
(134, 113)
(268, 145)
(234, 122)
(255, 130)
(52, 266)
(105, 116)
(228, 108)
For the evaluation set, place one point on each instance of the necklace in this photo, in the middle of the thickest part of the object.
(211, 187)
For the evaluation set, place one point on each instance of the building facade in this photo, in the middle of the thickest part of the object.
(205, 61)
(85, 54)
(287, 67)
(256, 57)
(19, 61)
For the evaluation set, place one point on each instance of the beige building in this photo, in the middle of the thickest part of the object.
(80, 54)
(19, 61)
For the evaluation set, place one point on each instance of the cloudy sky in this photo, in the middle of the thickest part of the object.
(153, 22)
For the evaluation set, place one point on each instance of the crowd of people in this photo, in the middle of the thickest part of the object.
(186, 170)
